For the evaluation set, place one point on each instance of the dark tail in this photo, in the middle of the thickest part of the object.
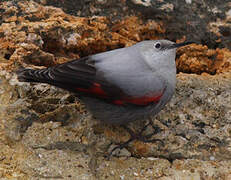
(69, 76)
(32, 75)
(48, 75)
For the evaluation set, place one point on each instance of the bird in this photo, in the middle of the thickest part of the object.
(119, 86)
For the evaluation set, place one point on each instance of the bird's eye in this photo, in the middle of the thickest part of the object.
(157, 45)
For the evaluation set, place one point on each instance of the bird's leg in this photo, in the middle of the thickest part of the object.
(120, 146)
(146, 137)
(133, 136)
(138, 136)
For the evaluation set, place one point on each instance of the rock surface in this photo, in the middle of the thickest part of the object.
(206, 22)
(46, 132)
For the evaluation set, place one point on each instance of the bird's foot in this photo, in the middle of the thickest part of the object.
(138, 136)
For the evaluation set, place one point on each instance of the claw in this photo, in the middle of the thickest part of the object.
(138, 136)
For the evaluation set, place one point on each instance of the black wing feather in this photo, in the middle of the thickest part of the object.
(75, 74)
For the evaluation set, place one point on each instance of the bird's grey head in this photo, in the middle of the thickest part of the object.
(159, 53)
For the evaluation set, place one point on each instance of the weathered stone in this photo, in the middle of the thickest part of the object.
(46, 132)
(206, 22)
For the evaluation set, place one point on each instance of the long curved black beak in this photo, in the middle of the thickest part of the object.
(176, 45)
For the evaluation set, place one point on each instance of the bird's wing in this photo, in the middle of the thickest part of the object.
(100, 76)
(83, 76)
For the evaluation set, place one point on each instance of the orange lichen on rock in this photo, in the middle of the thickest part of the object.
(134, 29)
(31, 54)
(224, 57)
(198, 59)
(44, 36)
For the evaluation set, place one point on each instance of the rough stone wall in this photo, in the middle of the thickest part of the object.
(46, 132)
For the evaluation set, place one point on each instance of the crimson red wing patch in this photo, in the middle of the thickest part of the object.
(142, 101)
(97, 90)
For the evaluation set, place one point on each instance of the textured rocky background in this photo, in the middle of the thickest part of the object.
(46, 132)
